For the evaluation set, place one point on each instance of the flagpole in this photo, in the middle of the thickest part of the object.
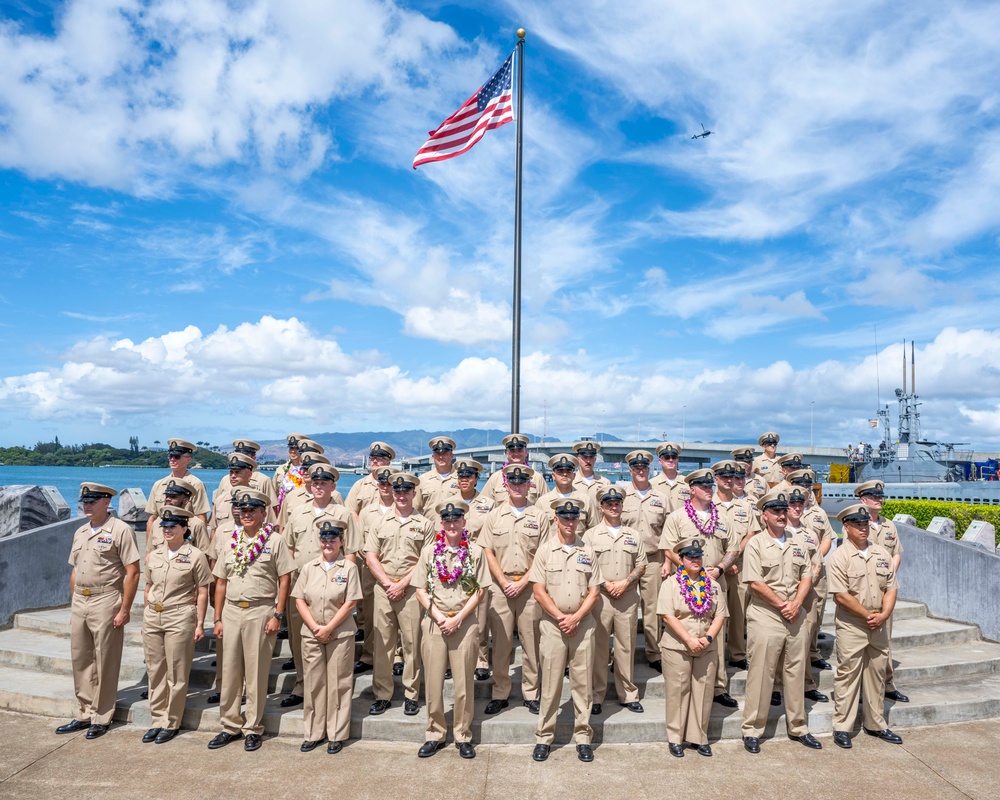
(515, 360)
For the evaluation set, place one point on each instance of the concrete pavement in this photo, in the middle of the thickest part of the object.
(945, 761)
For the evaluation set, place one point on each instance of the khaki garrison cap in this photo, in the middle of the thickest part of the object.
(803, 477)
(774, 499)
(179, 446)
(241, 461)
(178, 486)
(309, 446)
(587, 448)
(96, 491)
(250, 498)
(563, 461)
(310, 458)
(791, 461)
(319, 471)
(170, 515)
(452, 508)
(611, 494)
(690, 548)
(329, 529)
(381, 450)
(854, 513)
(769, 437)
(568, 507)
(519, 473)
(246, 446)
(293, 439)
(441, 444)
(467, 466)
(699, 476)
(639, 458)
(725, 468)
(515, 440)
(743, 454)
(404, 481)
(870, 489)
(668, 449)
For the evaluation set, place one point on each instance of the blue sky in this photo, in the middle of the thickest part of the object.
(210, 225)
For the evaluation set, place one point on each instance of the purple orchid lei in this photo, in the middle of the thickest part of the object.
(697, 595)
(713, 518)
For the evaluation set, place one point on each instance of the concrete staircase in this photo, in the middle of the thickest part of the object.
(949, 672)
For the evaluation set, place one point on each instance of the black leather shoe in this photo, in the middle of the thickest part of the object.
(676, 750)
(213, 699)
(379, 707)
(635, 707)
(73, 726)
(334, 747)
(166, 735)
(495, 706)
(359, 635)
(725, 700)
(361, 666)
(222, 739)
(150, 735)
(397, 668)
(596, 709)
(291, 700)
(465, 749)
(821, 663)
(534, 707)
(96, 731)
(310, 744)
(541, 752)
(288, 664)
(705, 750)
(481, 674)
(897, 695)
(656, 666)
(427, 749)
(885, 735)
(447, 674)
(842, 739)
(584, 752)
(740, 664)
(144, 694)
(410, 708)
(816, 696)
(252, 743)
(808, 740)
(775, 698)
(751, 744)
(214, 662)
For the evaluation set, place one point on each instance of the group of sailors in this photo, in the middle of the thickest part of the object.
(434, 577)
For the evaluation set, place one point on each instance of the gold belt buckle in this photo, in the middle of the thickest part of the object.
(452, 613)
(85, 592)
(243, 604)
(516, 576)
(157, 607)
(395, 580)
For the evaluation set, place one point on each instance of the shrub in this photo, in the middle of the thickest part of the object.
(961, 513)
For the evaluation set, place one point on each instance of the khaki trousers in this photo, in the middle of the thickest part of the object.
(862, 661)
(773, 643)
(366, 612)
(328, 678)
(458, 653)
(649, 593)
(504, 613)
(617, 617)
(689, 682)
(736, 599)
(890, 681)
(293, 621)
(248, 659)
(721, 676)
(96, 651)
(168, 645)
(555, 649)
(816, 621)
(397, 619)
(483, 623)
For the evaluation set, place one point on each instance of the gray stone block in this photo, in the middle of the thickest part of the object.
(942, 526)
(24, 508)
(906, 519)
(132, 506)
(981, 533)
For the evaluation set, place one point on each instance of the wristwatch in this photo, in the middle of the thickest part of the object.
(709, 638)
(216, 622)
(279, 617)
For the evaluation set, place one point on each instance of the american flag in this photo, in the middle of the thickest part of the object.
(488, 108)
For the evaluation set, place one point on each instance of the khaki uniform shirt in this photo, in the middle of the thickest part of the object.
(812, 541)
(755, 487)
(198, 504)
(590, 488)
(676, 492)
(258, 481)
(450, 599)
(819, 521)
(100, 557)
(679, 527)
(514, 539)
(567, 577)
(397, 544)
(741, 516)
(302, 497)
(197, 529)
(259, 583)
(174, 581)
(671, 603)
(865, 577)
(496, 489)
(479, 509)
(617, 555)
(363, 493)
(302, 531)
(645, 515)
(884, 534)
(781, 568)
(767, 468)
(588, 519)
(326, 591)
(433, 490)
(369, 517)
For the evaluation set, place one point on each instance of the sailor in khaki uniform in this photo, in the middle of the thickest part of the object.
(699, 517)
(258, 480)
(694, 610)
(105, 576)
(511, 536)
(371, 515)
(302, 535)
(392, 549)
(776, 566)
(789, 463)
(565, 579)
(452, 578)
(563, 466)
(644, 511)
(175, 600)
(440, 482)
(365, 492)
(670, 482)
(516, 450)
(288, 477)
(303, 495)
(178, 493)
(753, 486)
(325, 593)
(863, 582)
(179, 454)
(621, 556)
(766, 465)
(224, 513)
(883, 532)
(586, 480)
(816, 520)
(252, 590)
(223, 524)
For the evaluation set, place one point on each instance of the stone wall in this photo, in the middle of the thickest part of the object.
(25, 507)
(34, 572)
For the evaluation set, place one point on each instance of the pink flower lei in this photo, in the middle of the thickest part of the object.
(248, 552)
(697, 594)
(713, 518)
(449, 576)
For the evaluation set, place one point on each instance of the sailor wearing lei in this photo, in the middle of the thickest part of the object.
(288, 477)
(694, 611)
